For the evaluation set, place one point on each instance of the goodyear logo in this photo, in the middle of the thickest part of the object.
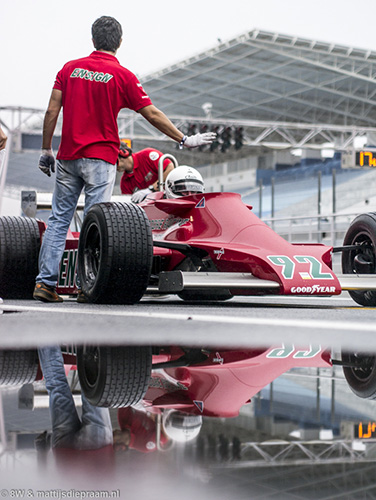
(313, 289)
(68, 266)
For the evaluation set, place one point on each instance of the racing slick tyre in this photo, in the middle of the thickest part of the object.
(114, 377)
(361, 375)
(19, 251)
(115, 253)
(18, 367)
(362, 232)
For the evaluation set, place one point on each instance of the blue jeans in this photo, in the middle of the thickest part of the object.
(97, 178)
(93, 431)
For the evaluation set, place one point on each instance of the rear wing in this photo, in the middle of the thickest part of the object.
(43, 201)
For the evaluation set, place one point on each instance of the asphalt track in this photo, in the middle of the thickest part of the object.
(336, 322)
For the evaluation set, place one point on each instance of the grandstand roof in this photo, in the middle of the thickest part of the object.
(284, 91)
(272, 77)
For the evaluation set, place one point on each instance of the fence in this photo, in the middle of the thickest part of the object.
(342, 191)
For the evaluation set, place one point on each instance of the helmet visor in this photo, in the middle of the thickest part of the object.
(190, 185)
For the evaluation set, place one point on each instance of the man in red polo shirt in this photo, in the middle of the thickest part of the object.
(91, 91)
(138, 431)
(140, 171)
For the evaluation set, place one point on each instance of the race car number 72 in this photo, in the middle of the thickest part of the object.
(288, 266)
(287, 350)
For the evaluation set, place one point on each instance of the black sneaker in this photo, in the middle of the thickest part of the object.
(46, 293)
(81, 297)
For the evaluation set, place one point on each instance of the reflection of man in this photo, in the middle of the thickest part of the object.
(140, 171)
(93, 430)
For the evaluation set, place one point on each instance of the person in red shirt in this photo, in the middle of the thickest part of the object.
(140, 171)
(138, 431)
(91, 90)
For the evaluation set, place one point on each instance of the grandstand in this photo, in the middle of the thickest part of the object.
(290, 99)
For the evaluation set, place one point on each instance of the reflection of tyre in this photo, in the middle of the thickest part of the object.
(362, 232)
(18, 367)
(361, 377)
(19, 250)
(114, 376)
(115, 253)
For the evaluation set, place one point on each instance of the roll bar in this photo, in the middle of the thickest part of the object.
(160, 168)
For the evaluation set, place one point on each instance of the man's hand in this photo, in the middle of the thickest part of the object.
(47, 162)
(193, 141)
(140, 195)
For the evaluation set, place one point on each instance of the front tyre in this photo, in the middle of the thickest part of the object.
(362, 233)
(114, 377)
(115, 253)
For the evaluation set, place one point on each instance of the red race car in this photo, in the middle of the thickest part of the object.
(200, 247)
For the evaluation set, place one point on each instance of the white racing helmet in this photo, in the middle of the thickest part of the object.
(181, 427)
(183, 179)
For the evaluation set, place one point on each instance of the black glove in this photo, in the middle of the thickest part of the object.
(47, 162)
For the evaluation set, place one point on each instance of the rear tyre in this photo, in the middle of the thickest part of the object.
(114, 377)
(19, 251)
(18, 367)
(362, 232)
(115, 253)
(362, 377)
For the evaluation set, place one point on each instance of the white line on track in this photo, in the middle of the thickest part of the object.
(307, 323)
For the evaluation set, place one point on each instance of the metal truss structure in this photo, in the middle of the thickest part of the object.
(257, 133)
(278, 453)
(222, 453)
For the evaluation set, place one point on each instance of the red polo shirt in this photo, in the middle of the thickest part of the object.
(142, 429)
(145, 170)
(94, 90)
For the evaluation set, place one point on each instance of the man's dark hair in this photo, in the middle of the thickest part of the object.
(123, 147)
(106, 33)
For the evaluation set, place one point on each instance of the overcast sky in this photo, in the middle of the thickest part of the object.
(38, 36)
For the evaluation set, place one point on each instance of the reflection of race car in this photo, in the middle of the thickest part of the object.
(205, 382)
(195, 381)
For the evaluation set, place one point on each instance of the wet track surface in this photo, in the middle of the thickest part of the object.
(335, 321)
(302, 401)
